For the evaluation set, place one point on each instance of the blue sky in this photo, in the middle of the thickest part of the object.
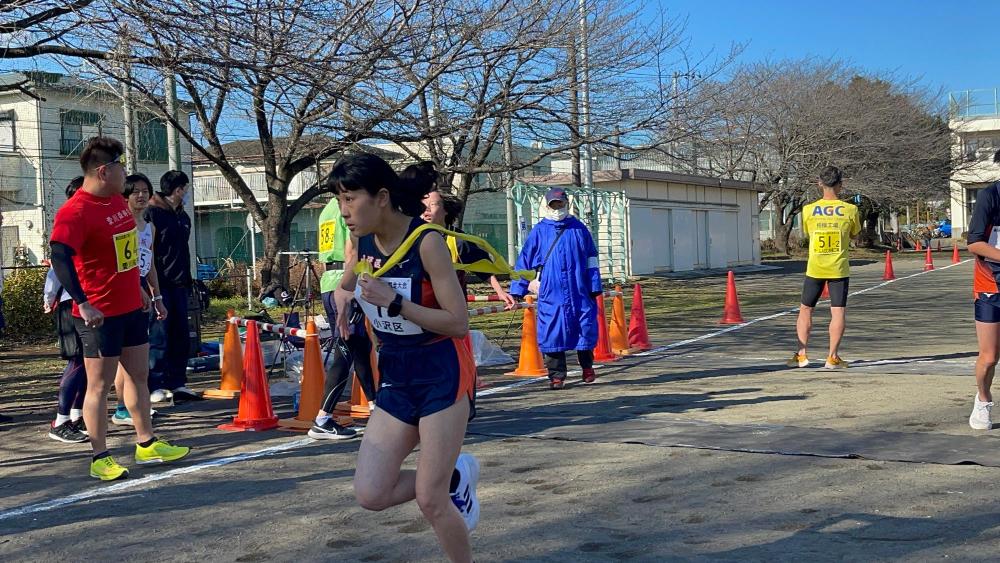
(917, 39)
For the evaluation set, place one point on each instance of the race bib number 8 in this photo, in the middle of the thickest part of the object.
(127, 250)
(826, 242)
(327, 233)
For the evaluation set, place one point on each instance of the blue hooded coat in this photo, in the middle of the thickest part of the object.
(570, 278)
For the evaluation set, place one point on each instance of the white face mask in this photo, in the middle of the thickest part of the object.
(556, 214)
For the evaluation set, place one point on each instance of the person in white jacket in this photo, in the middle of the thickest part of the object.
(68, 424)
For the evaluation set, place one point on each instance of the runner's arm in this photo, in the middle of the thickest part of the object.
(981, 227)
(154, 286)
(344, 291)
(452, 319)
(62, 264)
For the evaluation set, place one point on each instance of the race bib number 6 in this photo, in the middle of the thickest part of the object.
(127, 250)
(327, 233)
(826, 242)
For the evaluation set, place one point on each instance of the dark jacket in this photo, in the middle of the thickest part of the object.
(170, 245)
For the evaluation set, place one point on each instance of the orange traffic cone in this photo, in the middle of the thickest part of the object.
(918, 246)
(232, 363)
(602, 353)
(255, 412)
(529, 362)
(731, 314)
(311, 390)
(955, 258)
(889, 274)
(929, 261)
(826, 291)
(619, 327)
(638, 334)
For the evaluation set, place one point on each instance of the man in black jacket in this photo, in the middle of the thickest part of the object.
(171, 344)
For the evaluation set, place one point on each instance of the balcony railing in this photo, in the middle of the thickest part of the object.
(213, 190)
(966, 104)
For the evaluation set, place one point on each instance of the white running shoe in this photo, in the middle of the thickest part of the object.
(464, 497)
(160, 396)
(980, 417)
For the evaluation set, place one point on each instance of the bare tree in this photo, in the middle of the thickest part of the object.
(309, 79)
(528, 73)
(780, 123)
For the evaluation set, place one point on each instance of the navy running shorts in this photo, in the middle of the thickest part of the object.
(812, 288)
(418, 381)
(988, 307)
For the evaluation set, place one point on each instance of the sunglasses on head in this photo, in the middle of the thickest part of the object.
(120, 159)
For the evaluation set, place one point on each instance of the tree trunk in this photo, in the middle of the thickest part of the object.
(784, 233)
(462, 192)
(277, 233)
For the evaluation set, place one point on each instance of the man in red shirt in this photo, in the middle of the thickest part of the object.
(95, 255)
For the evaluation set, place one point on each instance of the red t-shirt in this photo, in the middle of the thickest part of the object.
(102, 233)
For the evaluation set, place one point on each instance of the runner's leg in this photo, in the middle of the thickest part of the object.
(988, 335)
(135, 370)
(378, 481)
(100, 376)
(441, 438)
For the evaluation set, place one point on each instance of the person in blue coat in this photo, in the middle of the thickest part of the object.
(562, 251)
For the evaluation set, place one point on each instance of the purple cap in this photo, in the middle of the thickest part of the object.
(556, 194)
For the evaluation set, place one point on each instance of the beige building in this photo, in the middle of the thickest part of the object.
(975, 125)
(41, 138)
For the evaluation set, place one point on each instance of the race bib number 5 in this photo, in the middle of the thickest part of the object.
(327, 233)
(826, 242)
(127, 250)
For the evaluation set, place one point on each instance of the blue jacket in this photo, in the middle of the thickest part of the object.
(570, 280)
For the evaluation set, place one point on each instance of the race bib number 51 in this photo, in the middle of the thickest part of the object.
(127, 250)
(826, 242)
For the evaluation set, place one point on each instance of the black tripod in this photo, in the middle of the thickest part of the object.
(302, 296)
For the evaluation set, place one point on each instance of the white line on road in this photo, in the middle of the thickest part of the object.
(141, 483)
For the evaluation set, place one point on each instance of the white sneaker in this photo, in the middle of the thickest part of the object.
(980, 417)
(160, 396)
(464, 497)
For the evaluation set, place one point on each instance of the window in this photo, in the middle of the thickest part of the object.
(151, 138)
(11, 240)
(8, 141)
(77, 126)
(971, 194)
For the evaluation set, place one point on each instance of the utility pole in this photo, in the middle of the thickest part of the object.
(508, 155)
(574, 111)
(128, 111)
(173, 140)
(588, 163)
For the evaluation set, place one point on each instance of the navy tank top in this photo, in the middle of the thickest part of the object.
(410, 280)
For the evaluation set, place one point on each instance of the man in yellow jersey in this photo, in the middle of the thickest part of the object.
(830, 225)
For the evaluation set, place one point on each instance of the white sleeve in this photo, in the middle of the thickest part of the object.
(52, 287)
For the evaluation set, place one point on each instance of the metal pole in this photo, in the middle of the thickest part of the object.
(508, 150)
(249, 291)
(173, 143)
(587, 164)
(129, 117)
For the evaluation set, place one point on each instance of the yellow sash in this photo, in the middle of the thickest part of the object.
(496, 266)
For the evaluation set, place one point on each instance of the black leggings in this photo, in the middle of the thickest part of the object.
(358, 352)
(556, 362)
(72, 386)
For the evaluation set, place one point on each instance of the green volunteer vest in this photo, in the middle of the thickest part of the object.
(332, 236)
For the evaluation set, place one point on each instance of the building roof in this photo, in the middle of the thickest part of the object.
(39, 82)
(604, 176)
(250, 150)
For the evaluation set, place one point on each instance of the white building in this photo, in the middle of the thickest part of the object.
(221, 219)
(40, 142)
(975, 125)
(658, 222)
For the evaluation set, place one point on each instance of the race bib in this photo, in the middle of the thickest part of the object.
(327, 233)
(127, 250)
(145, 260)
(379, 316)
(994, 241)
(826, 242)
